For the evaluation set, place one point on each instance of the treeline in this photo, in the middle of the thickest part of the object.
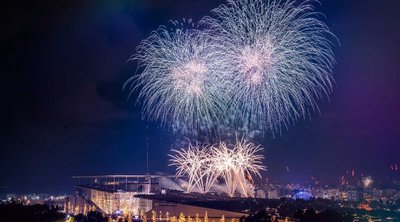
(309, 215)
(17, 212)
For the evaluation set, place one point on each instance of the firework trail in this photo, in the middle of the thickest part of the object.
(280, 60)
(179, 79)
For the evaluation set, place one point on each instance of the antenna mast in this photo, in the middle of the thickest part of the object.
(147, 155)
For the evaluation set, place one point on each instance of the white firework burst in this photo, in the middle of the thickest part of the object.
(180, 78)
(280, 59)
(236, 165)
(203, 166)
(189, 162)
(225, 165)
(367, 182)
(248, 162)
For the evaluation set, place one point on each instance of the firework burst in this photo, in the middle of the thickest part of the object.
(189, 162)
(204, 165)
(280, 59)
(224, 163)
(180, 82)
(367, 181)
(248, 162)
(236, 165)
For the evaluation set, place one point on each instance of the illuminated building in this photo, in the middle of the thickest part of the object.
(115, 194)
(303, 195)
(175, 209)
(135, 195)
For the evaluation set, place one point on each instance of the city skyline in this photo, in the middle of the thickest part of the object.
(66, 114)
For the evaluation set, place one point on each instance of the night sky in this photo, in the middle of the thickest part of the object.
(63, 111)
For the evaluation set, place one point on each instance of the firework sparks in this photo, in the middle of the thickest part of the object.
(280, 59)
(367, 182)
(256, 65)
(180, 78)
(203, 166)
(224, 164)
(190, 162)
(247, 162)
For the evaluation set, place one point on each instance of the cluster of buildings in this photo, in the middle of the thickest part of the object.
(31, 199)
(150, 196)
(141, 196)
(339, 193)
